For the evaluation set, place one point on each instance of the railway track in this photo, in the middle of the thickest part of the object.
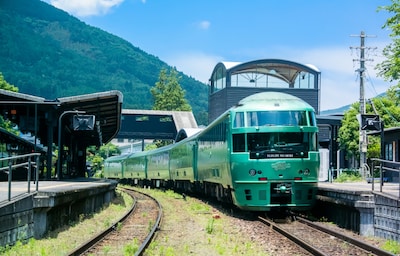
(319, 240)
(131, 234)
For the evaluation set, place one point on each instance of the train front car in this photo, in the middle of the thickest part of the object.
(274, 154)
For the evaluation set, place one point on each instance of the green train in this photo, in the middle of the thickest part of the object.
(260, 155)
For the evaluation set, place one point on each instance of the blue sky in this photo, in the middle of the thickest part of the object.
(194, 35)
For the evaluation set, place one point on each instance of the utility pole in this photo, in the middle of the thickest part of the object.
(363, 135)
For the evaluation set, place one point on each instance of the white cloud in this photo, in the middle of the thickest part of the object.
(83, 8)
(204, 25)
(340, 82)
(196, 64)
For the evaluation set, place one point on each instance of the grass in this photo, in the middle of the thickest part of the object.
(392, 246)
(349, 177)
(63, 240)
(210, 226)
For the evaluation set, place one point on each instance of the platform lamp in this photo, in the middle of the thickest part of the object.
(59, 173)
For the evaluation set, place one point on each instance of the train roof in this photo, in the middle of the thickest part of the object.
(272, 101)
(187, 132)
(116, 158)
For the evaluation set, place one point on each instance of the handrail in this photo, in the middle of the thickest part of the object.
(13, 164)
(382, 168)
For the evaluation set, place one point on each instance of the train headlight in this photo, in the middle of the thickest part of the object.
(252, 172)
(305, 172)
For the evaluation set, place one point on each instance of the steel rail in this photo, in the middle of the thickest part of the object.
(346, 238)
(153, 231)
(303, 244)
(98, 237)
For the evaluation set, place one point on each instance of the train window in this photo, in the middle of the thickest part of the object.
(272, 118)
(313, 141)
(216, 133)
(297, 141)
(238, 142)
(311, 116)
(239, 120)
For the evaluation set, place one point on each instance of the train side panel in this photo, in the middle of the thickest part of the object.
(135, 168)
(213, 163)
(157, 162)
(182, 161)
(114, 167)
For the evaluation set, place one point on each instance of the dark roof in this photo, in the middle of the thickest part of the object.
(154, 124)
(27, 110)
(106, 106)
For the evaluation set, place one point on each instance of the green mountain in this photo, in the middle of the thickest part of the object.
(48, 53)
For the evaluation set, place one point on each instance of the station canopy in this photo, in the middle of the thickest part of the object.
(37, 115)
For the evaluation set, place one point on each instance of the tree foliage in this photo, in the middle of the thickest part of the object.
(48, 53)
(6, 124)
(389, 69)
(168, 94)
(388, 111)
(6, 86)
(349, 131)
(96, 156)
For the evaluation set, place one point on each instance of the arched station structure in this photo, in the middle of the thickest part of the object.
(232, 81)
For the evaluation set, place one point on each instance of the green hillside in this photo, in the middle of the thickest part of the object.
(48, 53)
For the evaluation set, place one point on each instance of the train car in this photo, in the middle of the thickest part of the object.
(115, 166)
(157, 166)
(260, 155)
(182, 163)
(135, 169)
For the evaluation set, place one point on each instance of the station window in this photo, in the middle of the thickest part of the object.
(389, 151)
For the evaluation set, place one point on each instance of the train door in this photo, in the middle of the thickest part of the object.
(195, 156)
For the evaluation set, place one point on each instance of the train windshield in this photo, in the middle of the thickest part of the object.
(276, 144)
(270, 118)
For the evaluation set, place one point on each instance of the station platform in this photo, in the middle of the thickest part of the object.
(53, 205)
(20, 188)
(389, 188)
(366, 208)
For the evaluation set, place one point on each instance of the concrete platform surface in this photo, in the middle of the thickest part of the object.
(388, 188)
(19, 188)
